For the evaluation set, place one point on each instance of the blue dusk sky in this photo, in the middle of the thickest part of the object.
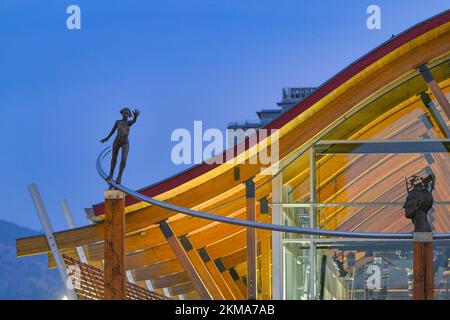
(177, 61)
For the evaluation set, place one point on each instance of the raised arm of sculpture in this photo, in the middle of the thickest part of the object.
(136, 113)
(121, 141)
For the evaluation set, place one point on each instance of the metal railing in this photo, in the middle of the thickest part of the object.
(251, 224)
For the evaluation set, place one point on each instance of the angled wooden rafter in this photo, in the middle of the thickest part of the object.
(202, 270)
(239, 281)
(237, 293)
(434, 87)
(429, 47)
(143, 236)
(216, 275)
(180, 252)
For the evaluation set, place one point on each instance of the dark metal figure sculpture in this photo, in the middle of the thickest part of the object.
(419, 201)
(121, 141)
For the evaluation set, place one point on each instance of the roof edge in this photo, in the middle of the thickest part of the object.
(328, 86)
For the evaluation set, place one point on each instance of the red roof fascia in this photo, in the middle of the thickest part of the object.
(322, 91)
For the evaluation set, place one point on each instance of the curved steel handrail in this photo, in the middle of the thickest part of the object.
(251, 224)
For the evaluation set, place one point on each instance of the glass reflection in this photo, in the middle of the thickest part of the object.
(360, 270)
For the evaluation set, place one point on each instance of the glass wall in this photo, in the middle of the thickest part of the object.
(351, 269)
(361, 187)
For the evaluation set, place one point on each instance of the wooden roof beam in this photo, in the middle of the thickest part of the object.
(171, 280)
(216, 275)
(437, 92)
(202, 270)
(343, 97)
(183, 288)
(158, 270)
(231, 283)
(181, 254)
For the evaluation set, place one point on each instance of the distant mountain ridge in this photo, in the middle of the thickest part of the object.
(27, 277)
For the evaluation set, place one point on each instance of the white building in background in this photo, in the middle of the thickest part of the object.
(290, 97)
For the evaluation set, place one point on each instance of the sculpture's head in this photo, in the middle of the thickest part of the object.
(417, 201)
(420, 197)
(126, 112)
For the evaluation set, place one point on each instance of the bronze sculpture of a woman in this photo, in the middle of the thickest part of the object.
(121, 141)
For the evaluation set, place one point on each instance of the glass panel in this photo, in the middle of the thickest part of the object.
(365, 270)
(296, 271)
(367, 217)
(367, 189)
(367, 192)
(296, 178)
(397, 114)
(441, 270)
(352, 269)
(383, 147)
(296, 216)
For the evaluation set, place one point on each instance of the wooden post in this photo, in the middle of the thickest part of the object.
(277, 238)
(265, 235)
(115, 275)
(423, 286)
(434, 87)
(251, 240)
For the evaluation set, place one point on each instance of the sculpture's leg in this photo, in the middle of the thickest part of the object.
(115, 153)
(123, 162)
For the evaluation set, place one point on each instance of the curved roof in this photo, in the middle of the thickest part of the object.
(325, 89)
(373, 98)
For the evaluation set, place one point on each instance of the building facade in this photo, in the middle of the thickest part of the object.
(345, 149)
